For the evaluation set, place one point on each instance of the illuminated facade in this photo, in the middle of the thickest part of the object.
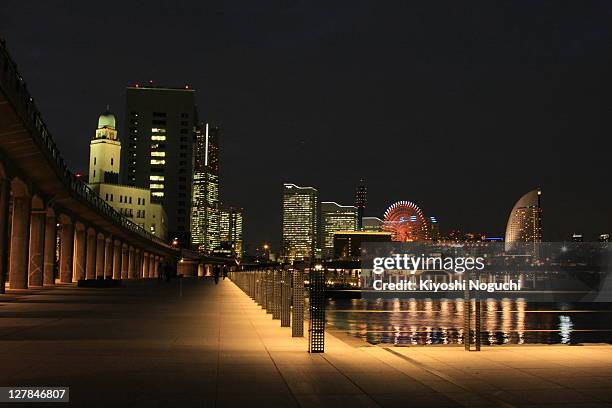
(335, 218)
(104, 166)
(158, 150)
(205, 224)
(299, 222)
(525, 220)
(372, 224)
(406, 222)
(105, 151)
(230, 229)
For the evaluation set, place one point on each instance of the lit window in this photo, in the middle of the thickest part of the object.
(157, 193)
(157, 161)
(156, 178)
(155, 185)
(158, 154)
(158, 137)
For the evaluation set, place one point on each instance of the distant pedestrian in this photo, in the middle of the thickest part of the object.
(224, 272)
(216, 274)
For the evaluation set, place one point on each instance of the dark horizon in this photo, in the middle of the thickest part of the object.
(459, 110)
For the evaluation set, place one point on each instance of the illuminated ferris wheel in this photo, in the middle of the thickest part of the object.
(406, 221)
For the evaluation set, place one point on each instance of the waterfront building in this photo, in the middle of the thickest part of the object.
(334, 218)
(158, 146)
(372, 224)
(525, 220)
(104, 167)
(299, 223)
(205, 218)
(347, 244)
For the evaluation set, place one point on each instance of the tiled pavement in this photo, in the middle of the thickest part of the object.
(145, 345)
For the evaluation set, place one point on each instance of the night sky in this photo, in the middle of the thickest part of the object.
(460, 107)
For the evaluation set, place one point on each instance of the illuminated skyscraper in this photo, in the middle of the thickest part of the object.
(335, 218)
(525, 221)
(205, 229)
(157, 150)
(361, 200)
(299, 222)
(230, 229)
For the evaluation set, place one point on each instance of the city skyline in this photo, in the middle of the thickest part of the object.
(473, 105)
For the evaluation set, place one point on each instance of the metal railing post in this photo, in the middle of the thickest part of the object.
(285, 313)
(276, 293)
(467, 313)
(316, 322)
(297, 314)
(269, 292)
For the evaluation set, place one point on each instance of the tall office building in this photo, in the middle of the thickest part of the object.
(361, 200)
(299, 222)
(230, 229)
(525, 220)
(205, 204)
(335, 218)
(158, 150)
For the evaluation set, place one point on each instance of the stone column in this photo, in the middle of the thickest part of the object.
(137, 265)
(108, 258)
(156, 269)
(18, 271)
(37, 244)
(50, 247)
(100, 256)
(90, 267)
(66, 249)
(5, 196)
(124, 261)
(151, 266)
(80, 263)
(145, 265)
(117, 260)
(131, 263)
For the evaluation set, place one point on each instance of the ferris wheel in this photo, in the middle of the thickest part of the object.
(406, 221)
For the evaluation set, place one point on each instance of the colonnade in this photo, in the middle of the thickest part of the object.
(41, 245)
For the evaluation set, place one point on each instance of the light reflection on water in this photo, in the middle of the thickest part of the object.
(421, 322)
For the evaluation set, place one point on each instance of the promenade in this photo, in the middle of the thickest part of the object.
(197, 344)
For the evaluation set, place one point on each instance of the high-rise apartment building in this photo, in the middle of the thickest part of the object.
(230, 229)
(158, 150)
(205, 219)
(335, 218)
(299, 222)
